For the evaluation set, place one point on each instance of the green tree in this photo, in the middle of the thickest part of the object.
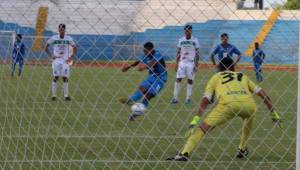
(292, 4)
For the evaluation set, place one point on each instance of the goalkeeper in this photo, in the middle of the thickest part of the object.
(233, 92)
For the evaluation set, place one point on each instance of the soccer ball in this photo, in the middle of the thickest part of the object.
(138, 108)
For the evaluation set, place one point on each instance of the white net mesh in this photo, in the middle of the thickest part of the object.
(92, 131)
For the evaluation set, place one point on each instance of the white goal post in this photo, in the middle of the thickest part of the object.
(298, 113)
(7, 40)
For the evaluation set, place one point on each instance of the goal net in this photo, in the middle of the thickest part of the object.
(7, 39)
(93, 130)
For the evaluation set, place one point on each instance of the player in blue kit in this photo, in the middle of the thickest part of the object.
(154, 62)
(225, 50)
(258, 58)
(18, 55)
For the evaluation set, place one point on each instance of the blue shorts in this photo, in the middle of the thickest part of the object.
(257, 67)
(153, 85)
(18, 61)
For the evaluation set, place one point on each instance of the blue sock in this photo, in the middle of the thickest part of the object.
(13, 67)
(261, 77)
(145, 102)
(20, 69)
(136, 96)
(257, 76)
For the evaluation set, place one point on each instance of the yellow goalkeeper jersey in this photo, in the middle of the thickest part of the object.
(229, 86)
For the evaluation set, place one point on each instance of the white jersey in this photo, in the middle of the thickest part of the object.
(188, 49)
(61, 46)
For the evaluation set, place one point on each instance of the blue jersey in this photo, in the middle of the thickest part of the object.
(227, 51)
(18, 51)
(258, 56)
(159, 69)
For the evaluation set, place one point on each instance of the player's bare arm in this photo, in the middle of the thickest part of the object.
(197, 118)
(143, 67)
(263, 55)
(201, 109)
(238, 59)
(73, 54)
(203, 105)
(177, 59)
(197, 58)
(128, 66)
(274, 115)
(48, 52)
(263, 95)
(212, 57)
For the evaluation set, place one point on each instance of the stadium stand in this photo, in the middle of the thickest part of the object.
(124, 16)
(121, 40)
(264, 31)
(282, 43)
(119, 47)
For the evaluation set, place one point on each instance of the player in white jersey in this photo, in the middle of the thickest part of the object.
(62, 58)
(187, 58)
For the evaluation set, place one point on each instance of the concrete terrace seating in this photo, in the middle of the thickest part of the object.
(114, 16)
(281, 45)
(111, 29)
(166, 38)
(241, 34)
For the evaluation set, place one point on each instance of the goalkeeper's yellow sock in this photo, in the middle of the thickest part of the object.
(245, 133)
(192, 141)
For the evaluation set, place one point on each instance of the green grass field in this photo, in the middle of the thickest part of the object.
(92, 131)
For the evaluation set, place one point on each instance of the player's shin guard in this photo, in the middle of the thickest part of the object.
(257, 76)
(54, 87)
(66, 89)
(247, 125)
(189, 89)
(176, 90)
(13, 67)
(20, 69)
(192, 141)
(260, 76)
(136, 96)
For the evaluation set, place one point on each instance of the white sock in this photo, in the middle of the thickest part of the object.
(176, 90)
(54, 87)
(66, 89)
(189, 89)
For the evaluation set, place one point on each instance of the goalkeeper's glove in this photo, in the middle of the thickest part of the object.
(276, 119)
(193, 123)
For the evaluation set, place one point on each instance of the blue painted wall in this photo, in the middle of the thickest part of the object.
(281, 45)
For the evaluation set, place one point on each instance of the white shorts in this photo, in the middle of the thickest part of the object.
(186, 70)
(60, 68)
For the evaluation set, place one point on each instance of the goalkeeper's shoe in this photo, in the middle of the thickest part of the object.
(242, 153)
(179, 157)
(125, 100)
